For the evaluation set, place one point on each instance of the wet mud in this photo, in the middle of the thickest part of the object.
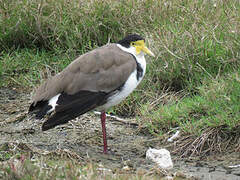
(83, 137)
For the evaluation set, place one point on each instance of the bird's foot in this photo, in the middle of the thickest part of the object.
(108, 152)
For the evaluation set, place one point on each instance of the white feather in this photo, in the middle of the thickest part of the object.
(53, 102)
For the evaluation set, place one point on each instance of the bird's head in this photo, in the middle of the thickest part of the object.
(137, 42)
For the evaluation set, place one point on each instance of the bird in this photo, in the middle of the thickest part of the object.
(96, 80)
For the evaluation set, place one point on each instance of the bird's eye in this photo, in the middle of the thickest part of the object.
(133, 43)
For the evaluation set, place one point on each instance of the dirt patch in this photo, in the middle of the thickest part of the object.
(82, 139)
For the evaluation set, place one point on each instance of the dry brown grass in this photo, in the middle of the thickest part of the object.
(212, 140)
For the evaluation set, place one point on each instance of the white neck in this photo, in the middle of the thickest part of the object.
(131, 50)
(139, 57)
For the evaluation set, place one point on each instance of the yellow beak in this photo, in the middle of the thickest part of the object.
(147, 51)
(140, 46)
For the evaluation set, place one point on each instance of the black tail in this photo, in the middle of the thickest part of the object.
(40, 109)
(72, 106)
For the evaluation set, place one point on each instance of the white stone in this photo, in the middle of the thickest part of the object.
(161, 157)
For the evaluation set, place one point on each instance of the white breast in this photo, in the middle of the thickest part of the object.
(128, 87)
(131, 82)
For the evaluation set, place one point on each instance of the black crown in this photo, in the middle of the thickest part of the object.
(130, 38)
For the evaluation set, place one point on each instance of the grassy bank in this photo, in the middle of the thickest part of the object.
(193, 83)
(216, 105)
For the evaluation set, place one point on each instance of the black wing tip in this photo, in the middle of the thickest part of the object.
(39, 116)
(55, 120)
(31, 108)
(46, 127)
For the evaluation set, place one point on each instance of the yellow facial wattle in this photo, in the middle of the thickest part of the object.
(140, 46)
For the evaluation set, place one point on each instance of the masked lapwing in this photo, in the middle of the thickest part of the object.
(98, 80)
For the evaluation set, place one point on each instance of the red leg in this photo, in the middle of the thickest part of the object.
(103, 120)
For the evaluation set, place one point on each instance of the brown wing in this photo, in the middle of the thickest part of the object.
(103, 69)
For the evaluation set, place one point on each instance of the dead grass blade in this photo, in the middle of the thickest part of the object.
(212, 140)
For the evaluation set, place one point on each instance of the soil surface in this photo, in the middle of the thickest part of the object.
(83, 136)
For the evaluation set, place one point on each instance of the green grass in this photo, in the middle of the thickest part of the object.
(27, 67)
(216, 105)
(192, 83)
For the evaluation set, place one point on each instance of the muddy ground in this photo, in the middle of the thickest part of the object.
(83, 137)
